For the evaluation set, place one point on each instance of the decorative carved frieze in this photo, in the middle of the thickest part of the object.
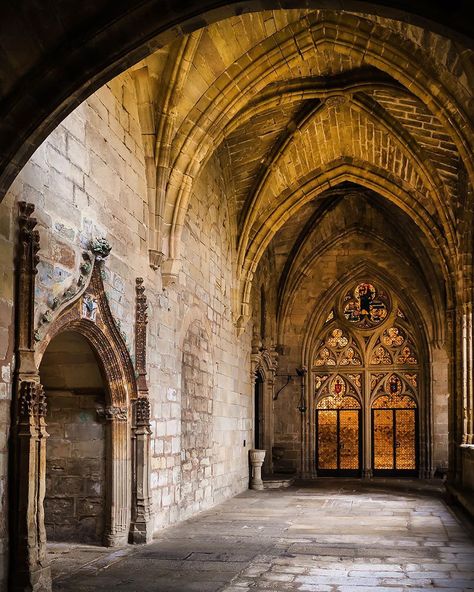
(141, 321)
(111, 413)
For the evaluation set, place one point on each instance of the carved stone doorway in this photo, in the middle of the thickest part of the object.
(82, 311)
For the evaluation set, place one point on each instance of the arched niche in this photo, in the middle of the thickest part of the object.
(197, 425)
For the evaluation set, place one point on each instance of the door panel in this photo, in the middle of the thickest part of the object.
(405, 449)
(383, 439)
(394, 441)
(338, 441)
(349, 439)
(327, 440)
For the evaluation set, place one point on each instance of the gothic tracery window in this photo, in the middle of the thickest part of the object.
(367, 361)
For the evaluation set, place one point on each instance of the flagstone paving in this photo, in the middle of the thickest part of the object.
(323, 536)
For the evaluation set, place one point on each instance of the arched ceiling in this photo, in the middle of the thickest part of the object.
(293, 103)
(54, 54)
(346, 228)
(296, 102)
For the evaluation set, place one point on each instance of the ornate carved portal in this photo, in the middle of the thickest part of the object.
(366, 382)
(83, 310)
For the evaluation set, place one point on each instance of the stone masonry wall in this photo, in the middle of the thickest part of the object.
(196, 418)
(75, 468)
(87, 180)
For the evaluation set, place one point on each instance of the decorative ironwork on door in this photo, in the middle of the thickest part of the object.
(394, 429)
(338, 431)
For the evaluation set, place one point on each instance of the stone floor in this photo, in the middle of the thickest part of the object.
(324, 536)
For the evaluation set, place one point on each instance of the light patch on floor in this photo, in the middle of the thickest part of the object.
(324, 536)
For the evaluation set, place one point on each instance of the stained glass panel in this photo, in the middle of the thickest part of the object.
(327, 440)
(383, 438)
(348, 439)
(338, 403)
(365, 306)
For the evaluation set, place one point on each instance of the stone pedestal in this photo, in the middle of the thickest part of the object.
(256, 461)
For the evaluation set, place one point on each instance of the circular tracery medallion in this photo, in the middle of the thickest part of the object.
(366, 306)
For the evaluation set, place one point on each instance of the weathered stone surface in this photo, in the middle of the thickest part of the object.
(332, 535)
(247, 172)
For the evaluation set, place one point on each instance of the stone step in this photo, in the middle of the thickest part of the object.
(277, 481)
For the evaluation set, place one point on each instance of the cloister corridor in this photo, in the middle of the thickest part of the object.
(323, 536)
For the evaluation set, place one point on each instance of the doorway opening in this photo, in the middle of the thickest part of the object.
(258, 412)
(75, 498)
(394, 436)
(338, 437)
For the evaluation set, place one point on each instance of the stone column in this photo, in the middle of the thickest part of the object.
(467, 375)
(268, 386)
(256, 461)
(141, 524)
(30, 570)
(141, 527)
(118, 478)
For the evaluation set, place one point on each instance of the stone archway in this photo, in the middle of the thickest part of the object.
(367, 350)
(83, 310)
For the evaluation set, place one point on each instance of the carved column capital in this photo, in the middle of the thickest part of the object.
(111, 413)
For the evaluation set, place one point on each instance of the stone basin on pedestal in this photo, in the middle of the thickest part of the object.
(256, 461)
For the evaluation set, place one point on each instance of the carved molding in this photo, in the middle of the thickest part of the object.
(141, 321)
(110, 413)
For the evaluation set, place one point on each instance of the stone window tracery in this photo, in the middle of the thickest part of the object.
(366, 359)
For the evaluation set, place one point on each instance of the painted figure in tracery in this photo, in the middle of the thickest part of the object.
(365, 306)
